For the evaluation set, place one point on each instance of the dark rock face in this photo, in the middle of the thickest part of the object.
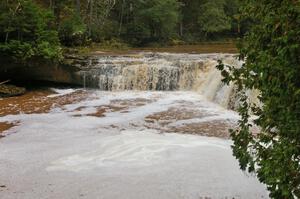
(36, 69)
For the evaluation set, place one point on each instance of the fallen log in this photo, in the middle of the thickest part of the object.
(4, 82)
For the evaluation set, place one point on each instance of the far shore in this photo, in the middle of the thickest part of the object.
(202, 48)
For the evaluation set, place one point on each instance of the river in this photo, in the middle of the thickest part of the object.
(149, 126)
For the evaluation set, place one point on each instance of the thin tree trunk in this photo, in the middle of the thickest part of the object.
(9, 23)
(90, 17)
(181, 29)
(121, 18)
(78, 6)
(56, 11)
(7, 33)
(6, 37)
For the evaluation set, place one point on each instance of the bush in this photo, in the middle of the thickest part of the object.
(27, 32)
(114, 44)
(106, 31)
(72, 31)
(271, 52)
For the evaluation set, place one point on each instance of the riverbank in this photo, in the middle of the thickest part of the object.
(200, 48)
(7, 90)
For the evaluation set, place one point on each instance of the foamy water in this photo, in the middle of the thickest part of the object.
(114, 145)
(163, 72)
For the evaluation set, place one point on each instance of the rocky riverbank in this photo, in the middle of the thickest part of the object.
(40, 70)
(11, 90)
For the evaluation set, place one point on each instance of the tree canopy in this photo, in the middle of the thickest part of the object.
(213, 18)
(27, 31)
(134, 22)
(149, 20)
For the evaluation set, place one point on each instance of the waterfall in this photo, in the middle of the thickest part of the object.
(162, 71)
(84, 79)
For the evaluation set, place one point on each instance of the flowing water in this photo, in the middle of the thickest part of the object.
(162, 71)
(154, 126)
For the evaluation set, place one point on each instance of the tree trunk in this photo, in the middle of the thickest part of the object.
(57, 11)
(78, 6)
(9, 23)
(181, 29)
(121, 17)
(6, 37)
(90, 17)
(239, 28)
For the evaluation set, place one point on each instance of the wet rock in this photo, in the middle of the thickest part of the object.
(11, 90)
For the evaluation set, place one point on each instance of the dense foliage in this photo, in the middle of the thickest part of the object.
(136, 22)
(213, 17)
(147, 21)
(271, 50)
(27, 31)
(143, 22)
(37, 28)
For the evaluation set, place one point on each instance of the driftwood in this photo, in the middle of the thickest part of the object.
(4, 82)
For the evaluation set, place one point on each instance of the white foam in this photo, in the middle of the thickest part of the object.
(61, 92)
(132, 148)
(86, 155)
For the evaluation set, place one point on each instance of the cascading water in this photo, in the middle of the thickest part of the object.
(162, 71)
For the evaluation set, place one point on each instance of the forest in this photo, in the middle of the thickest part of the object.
(41, 27)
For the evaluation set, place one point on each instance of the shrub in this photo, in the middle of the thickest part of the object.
(27, 31)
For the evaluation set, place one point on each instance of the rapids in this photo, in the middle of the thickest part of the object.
(154, 126)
